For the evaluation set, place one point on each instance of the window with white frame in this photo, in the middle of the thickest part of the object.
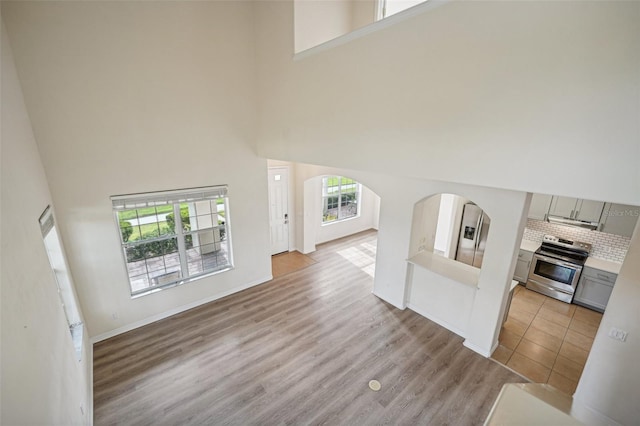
(172, 237)
(340, 198)
(57, 260)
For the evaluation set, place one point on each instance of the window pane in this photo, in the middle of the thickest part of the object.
(161, 249)
(340, 198)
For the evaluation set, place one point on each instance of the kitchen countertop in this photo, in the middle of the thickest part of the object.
(603, 265)
(531, 246)
(537, 404)
(457, 271)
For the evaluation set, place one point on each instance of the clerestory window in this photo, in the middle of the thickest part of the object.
(173, 237)
(387, 8)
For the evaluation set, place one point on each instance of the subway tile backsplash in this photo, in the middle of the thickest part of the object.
(605, 246)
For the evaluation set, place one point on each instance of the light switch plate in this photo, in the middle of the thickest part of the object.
(618, 334)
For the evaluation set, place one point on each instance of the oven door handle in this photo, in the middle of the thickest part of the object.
(558, 262)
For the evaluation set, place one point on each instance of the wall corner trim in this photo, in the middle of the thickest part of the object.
(479, 350)
(170, 312)
(398, 305)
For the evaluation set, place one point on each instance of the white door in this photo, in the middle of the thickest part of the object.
(278, 209)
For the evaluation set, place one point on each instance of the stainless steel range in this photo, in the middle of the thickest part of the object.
(556, 267)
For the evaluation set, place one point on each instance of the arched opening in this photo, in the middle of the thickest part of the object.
(450, 226)
(448, 237)
(336, 207)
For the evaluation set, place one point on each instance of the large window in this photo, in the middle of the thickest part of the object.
(171, 237)
(340, 198)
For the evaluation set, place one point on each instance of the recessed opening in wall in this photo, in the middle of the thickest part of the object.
(449, 235)
(319, 21)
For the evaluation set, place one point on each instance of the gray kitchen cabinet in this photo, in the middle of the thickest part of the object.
(619, 219)
(539, 207)
(563, 206)
(522, 267)
(589, 210)
(594, 288)
(576, 208)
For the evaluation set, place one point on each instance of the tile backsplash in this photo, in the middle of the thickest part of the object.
(605, 246)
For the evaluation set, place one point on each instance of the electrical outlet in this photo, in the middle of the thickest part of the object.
(618, 334)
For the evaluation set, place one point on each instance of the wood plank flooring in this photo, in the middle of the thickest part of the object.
(299, 349)
(285, 263)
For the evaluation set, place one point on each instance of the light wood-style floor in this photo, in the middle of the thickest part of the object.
(299, 349)
(285, 263)
(546, 340)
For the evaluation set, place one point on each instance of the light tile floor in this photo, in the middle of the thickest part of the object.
(546, 340)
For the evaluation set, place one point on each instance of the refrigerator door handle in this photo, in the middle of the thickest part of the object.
(478, 232)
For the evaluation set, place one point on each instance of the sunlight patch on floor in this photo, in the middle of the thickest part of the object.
(361, 257)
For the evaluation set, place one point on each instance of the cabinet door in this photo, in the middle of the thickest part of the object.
(563, 206)
(540, 204)
(593, 292)
(521, 272)
(589, 210)
(619, 219)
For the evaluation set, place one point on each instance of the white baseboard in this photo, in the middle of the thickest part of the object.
(398, 305)
(589, 415)
(437, 320)
(89, 406)
(479, 350)
(170, 312)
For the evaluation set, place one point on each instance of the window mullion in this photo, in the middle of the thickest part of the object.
(339, 197)
(182, 249)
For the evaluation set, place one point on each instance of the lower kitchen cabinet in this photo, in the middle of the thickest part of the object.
(594, 288)
(522, 267)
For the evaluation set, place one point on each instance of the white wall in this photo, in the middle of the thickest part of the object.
(425, 225)
(610, 380)
(308, 193)
(363, 12)
(130, 97)
(317, 21)
(472, 92)
(398, 197)
(42, 380)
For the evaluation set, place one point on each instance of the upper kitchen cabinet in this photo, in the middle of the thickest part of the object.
(539, 206)
(619, 219)
(589, 210)
(563, 206)
(576, 209)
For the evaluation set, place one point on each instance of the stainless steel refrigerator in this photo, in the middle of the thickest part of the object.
(474, 229)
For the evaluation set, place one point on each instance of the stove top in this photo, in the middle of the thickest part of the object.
(563, 249)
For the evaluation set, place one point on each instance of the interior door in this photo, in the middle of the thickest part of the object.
(278, 209)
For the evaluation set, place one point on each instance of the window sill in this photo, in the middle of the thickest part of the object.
(333, 222)
(370, 28)
(156, 289)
